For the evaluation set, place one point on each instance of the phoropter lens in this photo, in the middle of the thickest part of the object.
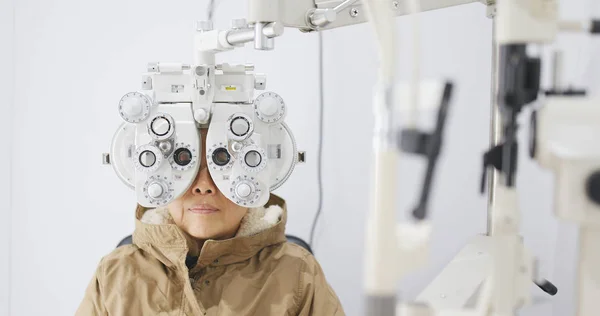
(147, 158)
(182, 156)
(221, 157)
(253, 158)
(240, 126)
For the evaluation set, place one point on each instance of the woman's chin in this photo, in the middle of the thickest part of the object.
(202, 234)
(204, 231)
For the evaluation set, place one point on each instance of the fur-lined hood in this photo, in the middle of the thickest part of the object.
(254, 273)
(261, 227)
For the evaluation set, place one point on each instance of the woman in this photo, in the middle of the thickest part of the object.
(205, 255)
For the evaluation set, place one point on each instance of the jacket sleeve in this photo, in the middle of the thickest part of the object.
(93, 301)
(315, 295)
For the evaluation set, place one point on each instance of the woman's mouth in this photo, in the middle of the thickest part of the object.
(203, 209)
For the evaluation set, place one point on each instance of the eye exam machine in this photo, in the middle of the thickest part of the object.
(251, 151)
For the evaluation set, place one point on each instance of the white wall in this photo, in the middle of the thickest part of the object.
(75, 59)
(6, 106)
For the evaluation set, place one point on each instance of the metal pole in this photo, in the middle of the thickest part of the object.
(495, 126)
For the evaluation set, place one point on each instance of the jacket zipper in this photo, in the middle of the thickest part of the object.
(189, 292)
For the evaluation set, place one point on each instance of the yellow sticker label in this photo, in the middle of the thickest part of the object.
(231, 88)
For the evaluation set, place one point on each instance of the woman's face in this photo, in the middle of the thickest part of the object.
(203, 211)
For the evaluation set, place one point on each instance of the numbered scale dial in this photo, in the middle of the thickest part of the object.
(219, 158)
(148, 158)
(269, 108)
(134, 107)
(184, 157)
(158, 190)
(161, 126)
(253, 159)
(240, 127)
(245, 190)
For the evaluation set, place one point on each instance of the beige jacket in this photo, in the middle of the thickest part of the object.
(255, 273)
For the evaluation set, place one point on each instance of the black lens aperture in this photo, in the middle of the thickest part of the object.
(221, 156)
(182, 156)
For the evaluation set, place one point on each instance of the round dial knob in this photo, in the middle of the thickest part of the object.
(134, 107)
(243, 190)
(161, 126)
(155, 190)
(148, 158)
(201, 115)
(237, 146)
(254, 159)
(165, 146)
(269, 107)
(240, 127)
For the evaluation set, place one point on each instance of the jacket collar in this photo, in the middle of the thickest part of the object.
(170, 245)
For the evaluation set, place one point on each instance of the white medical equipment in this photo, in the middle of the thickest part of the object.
(251, 151)
(563, 136)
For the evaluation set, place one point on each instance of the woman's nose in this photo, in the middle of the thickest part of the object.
(204, 184)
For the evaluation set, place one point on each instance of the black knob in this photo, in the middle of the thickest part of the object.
(593, 187)
(548, 287)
